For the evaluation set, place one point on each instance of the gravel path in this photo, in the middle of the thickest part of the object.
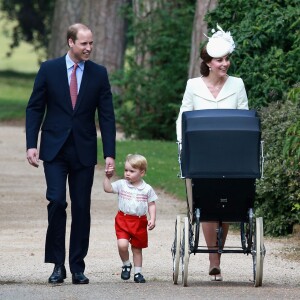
(23, 222)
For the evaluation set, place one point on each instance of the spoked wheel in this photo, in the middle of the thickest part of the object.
(176, 249)
(247, 236)
(247, 233)
(243, 235)
(185, 255)
(259, 252)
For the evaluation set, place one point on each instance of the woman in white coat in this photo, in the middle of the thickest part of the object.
(215, 89)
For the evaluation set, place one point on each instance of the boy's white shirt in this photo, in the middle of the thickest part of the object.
(133, 200)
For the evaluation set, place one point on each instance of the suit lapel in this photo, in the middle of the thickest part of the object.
(202, 91)
(62, 69)
(227, 90)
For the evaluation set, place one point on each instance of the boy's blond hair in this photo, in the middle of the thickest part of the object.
(137, 161)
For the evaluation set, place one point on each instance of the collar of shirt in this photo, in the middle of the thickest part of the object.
(79, 70)
(70, 63)
(139, 187)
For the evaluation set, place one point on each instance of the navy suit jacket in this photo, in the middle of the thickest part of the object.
(50, 109)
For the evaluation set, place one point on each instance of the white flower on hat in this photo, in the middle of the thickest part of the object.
(220, 43)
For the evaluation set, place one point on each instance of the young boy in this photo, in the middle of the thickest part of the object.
(136, 198)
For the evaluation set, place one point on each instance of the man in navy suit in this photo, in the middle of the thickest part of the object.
(68, 145)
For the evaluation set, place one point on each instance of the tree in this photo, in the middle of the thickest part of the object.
(143, 16)
(267, 37)
(109, 27)
(153, 83)
(66, 12)
(44, 23)
(199, 29)
(33, 19)
(106, 21)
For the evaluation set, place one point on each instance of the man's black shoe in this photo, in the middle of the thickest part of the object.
(58, 275)
(79, 278)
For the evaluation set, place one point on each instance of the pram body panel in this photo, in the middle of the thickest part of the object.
(221, 200)
(220, 144)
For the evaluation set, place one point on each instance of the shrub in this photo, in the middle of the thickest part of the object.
(267, 37)
(152, 90)
(278, 193)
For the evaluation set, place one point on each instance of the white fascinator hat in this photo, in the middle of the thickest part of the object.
(220, 43)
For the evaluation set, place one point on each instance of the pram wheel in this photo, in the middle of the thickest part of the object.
(259, 252)
(185, 255)
(176, 249)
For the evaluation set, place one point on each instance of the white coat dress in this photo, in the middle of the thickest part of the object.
(197, 96)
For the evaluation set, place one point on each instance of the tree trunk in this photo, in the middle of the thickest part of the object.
(109, 28)
(199, 28)
(66, 12)
(106, 22)
(143, 13)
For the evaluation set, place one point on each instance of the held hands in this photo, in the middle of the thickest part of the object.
(109, 173)
(33, 157)
(109, 167)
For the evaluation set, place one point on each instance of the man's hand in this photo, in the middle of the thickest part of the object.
(33, 157)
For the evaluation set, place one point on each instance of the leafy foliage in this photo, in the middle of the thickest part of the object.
(267, 35)
(33, 21)
(278, 194)
(152, 90)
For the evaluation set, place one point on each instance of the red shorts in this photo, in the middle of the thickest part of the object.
(132, 228)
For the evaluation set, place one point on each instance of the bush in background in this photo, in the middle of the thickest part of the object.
(267, 37)
(152, 91)
(278, 193)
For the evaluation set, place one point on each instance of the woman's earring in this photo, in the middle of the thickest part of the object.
(209, 69)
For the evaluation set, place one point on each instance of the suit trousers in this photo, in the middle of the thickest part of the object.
(66, 167)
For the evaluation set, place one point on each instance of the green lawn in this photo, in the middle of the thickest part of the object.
(16, 75)
(15, 91)
(23, 59)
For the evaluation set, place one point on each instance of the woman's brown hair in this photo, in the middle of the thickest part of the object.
(204, 69)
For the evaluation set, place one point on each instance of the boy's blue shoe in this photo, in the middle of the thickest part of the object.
(139, 278)
(125, 275)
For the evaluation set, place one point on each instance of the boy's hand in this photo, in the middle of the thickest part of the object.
(151, 224)
(108, 175)
(109, 172)
(109, 166)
